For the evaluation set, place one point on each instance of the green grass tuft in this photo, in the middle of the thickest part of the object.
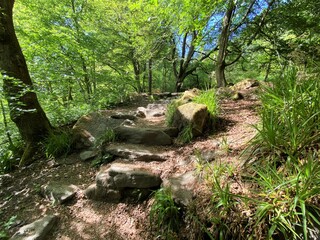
(58, 143)
(164, 214)
(209, 99)
(290, 116)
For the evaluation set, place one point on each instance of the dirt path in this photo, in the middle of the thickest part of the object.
(86, 219)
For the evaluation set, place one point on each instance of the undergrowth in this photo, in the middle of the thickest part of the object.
(165, 215)
(58, 143)
(209, 99)
(277, 195)
(290, 116)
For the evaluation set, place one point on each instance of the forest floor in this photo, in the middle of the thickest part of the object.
(20, 197)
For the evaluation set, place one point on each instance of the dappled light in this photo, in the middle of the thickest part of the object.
(162, 119)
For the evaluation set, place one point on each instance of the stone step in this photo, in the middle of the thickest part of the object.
(133, 152)
(123, 181)
(147, 136)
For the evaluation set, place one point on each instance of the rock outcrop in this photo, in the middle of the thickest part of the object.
(152, 110)
(92, 126)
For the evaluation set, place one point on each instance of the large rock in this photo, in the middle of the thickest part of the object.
(120, 175)
(93, 126)
(37, 230)
(135, 152)
(182, 187)
(122, 181)
(145, 136)
(59, 192)
(192, 114)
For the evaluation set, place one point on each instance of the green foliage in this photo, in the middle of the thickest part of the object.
(286, 199)
(290, 116)
(283, 202)
(109, 136)
(186, 135)
(225, 207)
(105, 158)
(171, 109)
(164, 214)
(7, 160)
(5, 226)
(58, 143)
(10, 156)
(209, 99)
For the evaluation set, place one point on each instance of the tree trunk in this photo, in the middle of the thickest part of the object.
(150, 76)
(25, 110)
(137, 71)
(223, 45)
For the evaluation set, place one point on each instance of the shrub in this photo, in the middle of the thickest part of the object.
(108, 137)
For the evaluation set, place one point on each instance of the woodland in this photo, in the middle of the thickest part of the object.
(60, 60)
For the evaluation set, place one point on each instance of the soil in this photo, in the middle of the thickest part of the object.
(86, 219)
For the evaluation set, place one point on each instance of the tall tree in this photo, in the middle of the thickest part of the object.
(238, 16)
(25, 110)
(191, 24)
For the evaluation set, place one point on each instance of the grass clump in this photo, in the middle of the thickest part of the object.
(58, 143)
(290, 116)
(281, 203)
(5, 226)
(209, 99)
(186, 135)
(108, 136)
(171, 109)
(286, 201)
(165, 215)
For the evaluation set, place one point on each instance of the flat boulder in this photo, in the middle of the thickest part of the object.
(120, 175)
(89, 154)
(192, 114)
(100, 193)
(122, 181)
(59, 192)
(135, 152)
(37, 230)
(147, 136)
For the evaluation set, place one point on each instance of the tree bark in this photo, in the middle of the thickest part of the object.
(150, 79)
(137, 72)
(25, 110)
(223, 45)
